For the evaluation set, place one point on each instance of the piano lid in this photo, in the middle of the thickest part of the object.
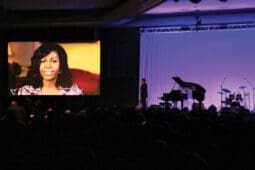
(197, 90)
(191, 85)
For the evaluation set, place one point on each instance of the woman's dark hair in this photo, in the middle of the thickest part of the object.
(34, 78)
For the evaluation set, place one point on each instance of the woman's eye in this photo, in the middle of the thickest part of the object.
(43, 61)
(54, 61)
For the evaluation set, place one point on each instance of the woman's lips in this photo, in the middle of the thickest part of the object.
(48, 72)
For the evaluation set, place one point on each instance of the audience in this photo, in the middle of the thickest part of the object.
(16, 113)
(103, 137)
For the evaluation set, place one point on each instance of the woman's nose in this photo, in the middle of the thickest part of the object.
(48, 64)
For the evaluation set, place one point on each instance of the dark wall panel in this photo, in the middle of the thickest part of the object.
(120, 58)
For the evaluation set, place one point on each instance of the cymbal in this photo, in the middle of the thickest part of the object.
(220, 92)
(226, 90)
(242, 87)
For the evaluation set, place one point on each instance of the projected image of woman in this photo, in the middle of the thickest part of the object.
(49, 73)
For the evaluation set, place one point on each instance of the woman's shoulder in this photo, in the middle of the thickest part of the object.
(28, 90)
(73, 90)
(76, 89)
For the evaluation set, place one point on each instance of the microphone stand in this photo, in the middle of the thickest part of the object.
(253, 94)
(221, 87)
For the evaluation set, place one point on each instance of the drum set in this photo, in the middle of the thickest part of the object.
(235, 99)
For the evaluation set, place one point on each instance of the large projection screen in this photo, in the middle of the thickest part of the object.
(83, 59)
(211, 58)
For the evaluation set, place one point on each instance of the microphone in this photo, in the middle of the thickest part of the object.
(223, 81)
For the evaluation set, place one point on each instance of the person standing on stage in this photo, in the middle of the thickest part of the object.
(144, 93)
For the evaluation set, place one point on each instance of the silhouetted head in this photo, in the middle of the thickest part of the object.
(143, 80)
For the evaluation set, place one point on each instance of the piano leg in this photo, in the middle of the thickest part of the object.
(175, 104)
(165, 105)
(182, 105)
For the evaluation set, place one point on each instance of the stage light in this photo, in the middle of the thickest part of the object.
(195, 1)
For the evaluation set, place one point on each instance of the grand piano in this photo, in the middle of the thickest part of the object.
(198, 92)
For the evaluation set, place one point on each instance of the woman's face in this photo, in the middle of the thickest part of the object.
(50, 66)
